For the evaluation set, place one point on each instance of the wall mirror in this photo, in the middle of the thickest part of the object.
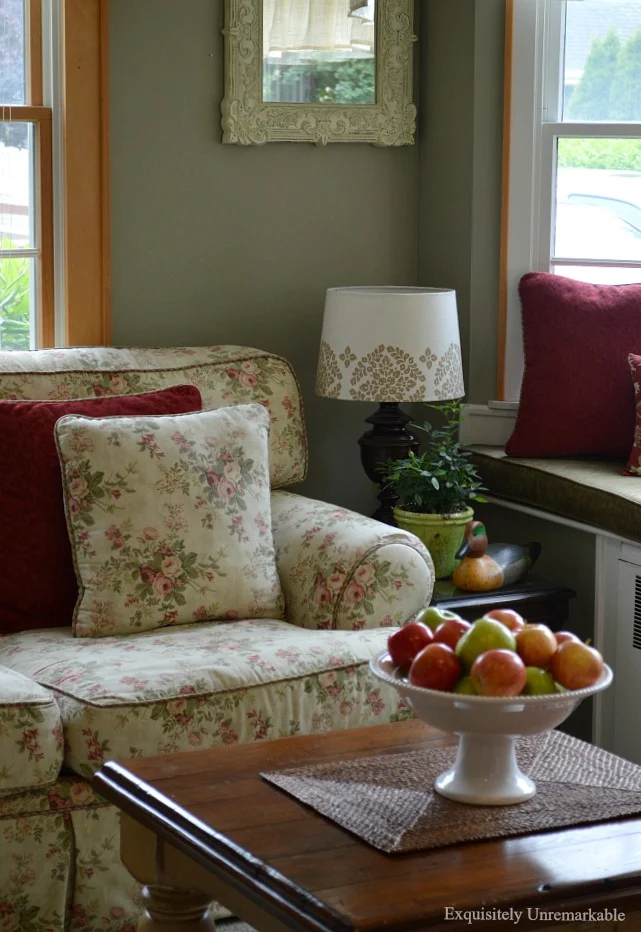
(318, 71)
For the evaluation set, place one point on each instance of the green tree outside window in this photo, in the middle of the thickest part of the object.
(610, 86)
(14, 300)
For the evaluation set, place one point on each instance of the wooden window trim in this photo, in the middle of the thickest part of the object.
(84, 122)
(26, 113)
(86, 172)
(33, 9)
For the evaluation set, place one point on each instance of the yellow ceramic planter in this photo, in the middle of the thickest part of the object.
(441, 534)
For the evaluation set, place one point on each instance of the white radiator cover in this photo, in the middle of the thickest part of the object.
(626, 734)
(617, 632)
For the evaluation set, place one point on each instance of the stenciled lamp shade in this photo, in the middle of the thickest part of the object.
(389, 344)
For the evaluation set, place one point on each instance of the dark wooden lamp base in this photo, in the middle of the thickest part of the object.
(388, 439)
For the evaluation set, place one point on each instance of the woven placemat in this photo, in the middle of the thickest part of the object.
(388, 801)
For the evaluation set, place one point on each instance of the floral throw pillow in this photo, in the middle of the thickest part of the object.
(169, 519)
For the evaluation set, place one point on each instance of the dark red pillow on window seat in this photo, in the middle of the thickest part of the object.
(577, 397)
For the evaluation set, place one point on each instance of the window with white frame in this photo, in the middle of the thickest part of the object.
(572, 188)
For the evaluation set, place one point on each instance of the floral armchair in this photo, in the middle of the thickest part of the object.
(68, 703)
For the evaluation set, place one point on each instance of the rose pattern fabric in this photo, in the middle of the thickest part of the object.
(60, 869)
(31, 742)
(105, 895)
(342, 570)
(169, 518)
(224, 374)
(198, 684)
(203, 685)
(35, 871)
(191, 687)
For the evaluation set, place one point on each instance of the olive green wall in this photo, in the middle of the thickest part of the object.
(227, 244)
(460, 132)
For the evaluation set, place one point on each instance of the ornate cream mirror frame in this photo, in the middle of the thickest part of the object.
(248, 121)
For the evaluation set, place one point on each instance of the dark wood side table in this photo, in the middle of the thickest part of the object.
(537, 600)
(203, 825)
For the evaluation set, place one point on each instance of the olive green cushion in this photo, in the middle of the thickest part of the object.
(591, 491)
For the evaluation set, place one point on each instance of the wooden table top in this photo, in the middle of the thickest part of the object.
(214, 806)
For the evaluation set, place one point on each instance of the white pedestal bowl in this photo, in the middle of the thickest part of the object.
(486, 772)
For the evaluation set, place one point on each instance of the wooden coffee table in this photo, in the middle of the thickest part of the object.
(203, 825)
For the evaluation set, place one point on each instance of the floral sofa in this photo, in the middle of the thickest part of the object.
(68, 703)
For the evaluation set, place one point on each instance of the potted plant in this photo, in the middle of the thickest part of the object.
(435, 488)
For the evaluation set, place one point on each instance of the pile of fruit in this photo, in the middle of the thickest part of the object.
(497, 655)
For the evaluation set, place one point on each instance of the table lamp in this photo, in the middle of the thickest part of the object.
(389, 344)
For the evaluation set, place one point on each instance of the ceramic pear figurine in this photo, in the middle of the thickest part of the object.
(486, 566)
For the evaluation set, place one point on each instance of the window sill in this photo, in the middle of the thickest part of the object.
(490, 424)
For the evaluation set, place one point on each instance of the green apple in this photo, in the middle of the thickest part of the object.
(485, 634)
(538, 682)
(465, 686)
(433, 616)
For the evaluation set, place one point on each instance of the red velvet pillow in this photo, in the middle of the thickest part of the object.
(38, 587)
(633, 467)
(576, 395)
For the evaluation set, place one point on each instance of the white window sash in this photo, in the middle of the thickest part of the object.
(534, 128)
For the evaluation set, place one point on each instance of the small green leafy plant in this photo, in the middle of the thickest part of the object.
(441, 479)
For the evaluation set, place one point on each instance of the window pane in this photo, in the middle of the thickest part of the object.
(16, 179)
(12, 52)
(598, 199)
(17, 306)
(602, 71)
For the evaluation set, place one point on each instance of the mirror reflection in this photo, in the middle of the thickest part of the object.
(319, 51)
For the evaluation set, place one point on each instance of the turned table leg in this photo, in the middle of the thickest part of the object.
(169, 909)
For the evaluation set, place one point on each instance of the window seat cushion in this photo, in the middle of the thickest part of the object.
(591, 491)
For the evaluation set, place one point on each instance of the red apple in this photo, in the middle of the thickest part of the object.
(450, 631)
(535, 645)
(508, 617)
(403, 645)
(576, 665)
(562, 636)
(498, 673)
(436, 667)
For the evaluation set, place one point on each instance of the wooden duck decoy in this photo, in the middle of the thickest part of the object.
(486, 566)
